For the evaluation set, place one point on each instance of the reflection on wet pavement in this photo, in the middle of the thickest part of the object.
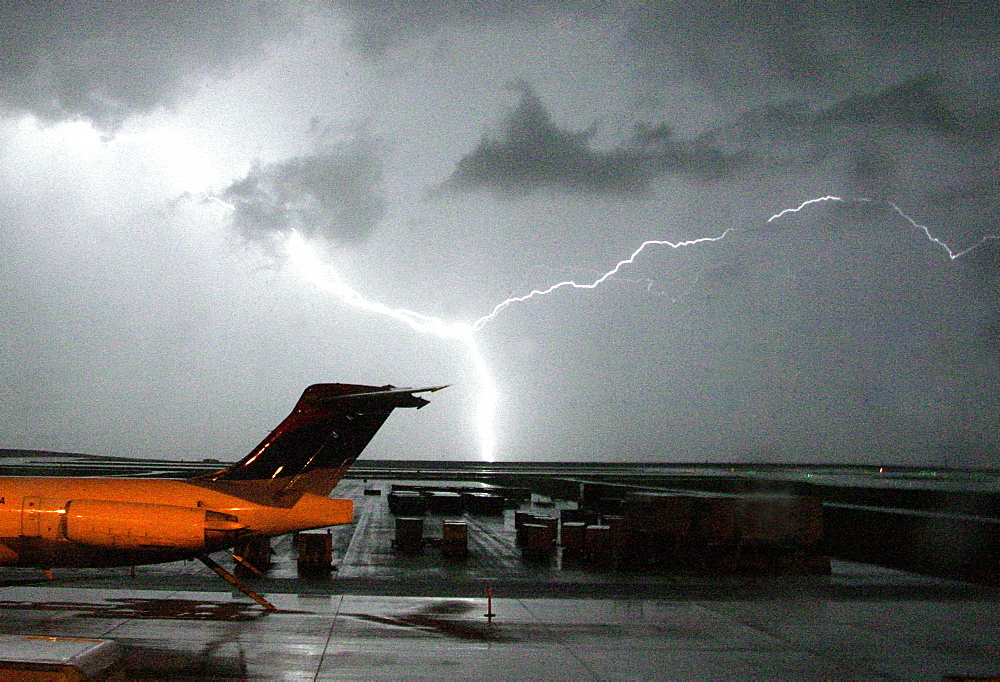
(189, 635)
(174, 609)
(434, 619)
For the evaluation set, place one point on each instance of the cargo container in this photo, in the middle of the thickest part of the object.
(454, 539)
(536, 541)
(315, 553)
(407, 503)
(445, 502)
(485, 504)
(597, 545)
(571, 538)
(409, 534)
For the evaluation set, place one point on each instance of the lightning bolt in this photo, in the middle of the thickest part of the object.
(308, 263)
(217, 200)
(304, 258)
(952, 253)
(499, 307)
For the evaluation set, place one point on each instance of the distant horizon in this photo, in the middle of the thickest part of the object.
(443, 463)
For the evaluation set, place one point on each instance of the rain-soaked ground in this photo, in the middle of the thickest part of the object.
(382, 615)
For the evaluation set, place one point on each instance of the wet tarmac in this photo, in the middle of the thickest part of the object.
(382, 615)
(185, 634)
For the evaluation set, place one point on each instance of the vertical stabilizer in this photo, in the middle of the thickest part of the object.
(314, 446)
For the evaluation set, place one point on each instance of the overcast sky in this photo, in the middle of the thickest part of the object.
(203, 206)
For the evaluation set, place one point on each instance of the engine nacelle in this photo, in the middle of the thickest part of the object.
(137, 525)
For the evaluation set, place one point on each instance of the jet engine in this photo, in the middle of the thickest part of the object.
(137, 525)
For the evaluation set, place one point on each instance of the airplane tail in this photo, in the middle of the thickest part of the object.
(314, 446)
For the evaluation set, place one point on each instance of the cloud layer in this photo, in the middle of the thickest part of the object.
(532, 153)
(107, 61)
(332, 193)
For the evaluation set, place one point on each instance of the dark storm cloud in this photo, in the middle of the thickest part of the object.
(106, 61)
(745, 46)
(381, 24)
(900, 50)
(796, 134)
(930, 21)
(833, 78)
(531, 152)
(731, 44)
(931, 102)
(331, 193)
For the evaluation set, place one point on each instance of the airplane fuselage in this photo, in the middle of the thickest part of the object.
(281, 486)
(49, 522)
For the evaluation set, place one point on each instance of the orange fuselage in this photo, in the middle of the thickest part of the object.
(48, 522)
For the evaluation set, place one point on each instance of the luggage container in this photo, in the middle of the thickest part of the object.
(485, 504)
(522, 517)
(455, 539)
(536, 541)
(409, 534)
(445, 502)
(550, 522)
(315, 553)
(584, 516)
(597, 545)
(571, 537)
(407, 503)
(254, 551)
(620, 528)
(551, 525)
